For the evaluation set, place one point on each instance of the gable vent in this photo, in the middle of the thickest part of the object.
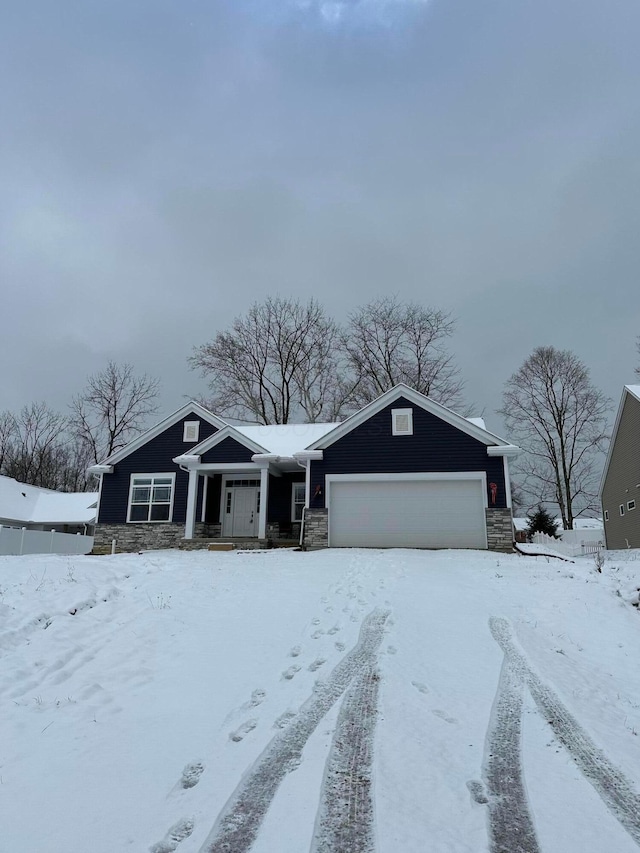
(402, 421)
(191, 431)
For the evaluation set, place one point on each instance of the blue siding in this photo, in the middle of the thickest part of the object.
(435, 446)
(279, 507)
(229, 450)
(153, 457)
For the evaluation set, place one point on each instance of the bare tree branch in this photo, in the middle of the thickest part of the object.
(387, 342)
(112, 409)
(275, 363)
(559, 418)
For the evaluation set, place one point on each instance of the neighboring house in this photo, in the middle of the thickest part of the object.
(404, 471)
(620, 486)
(44, 509)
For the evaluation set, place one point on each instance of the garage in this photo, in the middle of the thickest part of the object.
(407, 511)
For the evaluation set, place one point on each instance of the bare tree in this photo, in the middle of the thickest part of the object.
(36, 442)
(112, 409)
(559, 418)
(276, 361)
(387, 342)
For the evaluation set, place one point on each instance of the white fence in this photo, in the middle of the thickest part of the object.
(583, 543)
(15, 541)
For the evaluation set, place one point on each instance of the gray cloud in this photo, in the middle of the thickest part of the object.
(163, 165)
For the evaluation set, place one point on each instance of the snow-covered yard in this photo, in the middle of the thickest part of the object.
(337, 701)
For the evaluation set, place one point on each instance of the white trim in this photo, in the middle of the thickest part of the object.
(503, 450)
(222, 467)
(160, 427)
(294, 502)
(205, 492)
(308, 455)
(442, 476)
(417, 399)
(227, 432)
(165, 475)
(100, 469)
(621, 510)
(192, 499)
(237, 475)
(629, 507)
(195, 425)
(606, 515)
(264, 496)
(399, 413)
(507, 480)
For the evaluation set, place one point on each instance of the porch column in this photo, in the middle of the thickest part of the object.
(264, 498)
(192, 496)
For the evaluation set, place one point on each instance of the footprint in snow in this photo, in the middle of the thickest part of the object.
(178, 832)
(317, 634)
(257, 698)
(295, 651)
(317, 663)
(333, 630)
(340, 647)
(191, 774)
(420, 687)
(391, 650)
(243, 731)
(283, 720)
(315, 621)
(443, 716)
(289, 673)
(477, 791)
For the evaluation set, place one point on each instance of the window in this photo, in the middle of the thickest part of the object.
(402, 421)
(621, 509)
(151, 497)
(606, 515)
(298, 493)
(191, 431)
(631, 505)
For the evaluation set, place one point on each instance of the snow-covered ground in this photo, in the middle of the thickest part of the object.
(336, 701)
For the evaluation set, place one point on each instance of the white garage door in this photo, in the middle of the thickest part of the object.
(407, 514)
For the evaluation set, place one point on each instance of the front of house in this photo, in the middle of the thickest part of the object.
(620, 485)
(402, 472)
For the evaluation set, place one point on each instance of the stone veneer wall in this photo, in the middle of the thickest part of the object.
(316, 528)
(137, 537)
(499, 529)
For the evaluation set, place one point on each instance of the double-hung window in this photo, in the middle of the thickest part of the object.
(297, 501)
(151, 497)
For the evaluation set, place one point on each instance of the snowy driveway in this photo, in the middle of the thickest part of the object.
(343, 701)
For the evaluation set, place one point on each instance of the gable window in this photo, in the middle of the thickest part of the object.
(402, 421)
(297, 501)
(191, 431)
(151, 497)
(631, 505)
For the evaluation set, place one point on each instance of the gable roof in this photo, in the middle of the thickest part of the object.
(469, 426)
(35, 505)
(281, 440)
(154, 431)
(634, 391)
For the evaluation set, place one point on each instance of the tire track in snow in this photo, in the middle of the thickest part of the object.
(615, 790)
(237, 826)
(345, 819)
(511, 826)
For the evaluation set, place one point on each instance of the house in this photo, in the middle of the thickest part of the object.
(620, 484)
(36, 508)
(404, 471)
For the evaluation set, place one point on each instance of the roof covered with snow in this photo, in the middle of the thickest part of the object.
(34, 505)
(285, 439)
(634, 389)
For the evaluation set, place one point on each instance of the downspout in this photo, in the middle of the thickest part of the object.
(306, 498)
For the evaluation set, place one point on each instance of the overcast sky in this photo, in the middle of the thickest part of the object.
(164, 163)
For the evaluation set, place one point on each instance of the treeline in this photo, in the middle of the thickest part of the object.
(42, 447)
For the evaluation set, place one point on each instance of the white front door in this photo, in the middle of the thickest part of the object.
(241, 512)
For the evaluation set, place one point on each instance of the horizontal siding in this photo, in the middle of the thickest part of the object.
(229, 450)
(622, 480)
(153, 457)
(435, 446)
(279, 505)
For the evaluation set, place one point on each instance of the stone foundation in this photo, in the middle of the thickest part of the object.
(137, 537)
(499, 529)
(316, 528)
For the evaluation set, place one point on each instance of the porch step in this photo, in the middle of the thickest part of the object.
(235, 543)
